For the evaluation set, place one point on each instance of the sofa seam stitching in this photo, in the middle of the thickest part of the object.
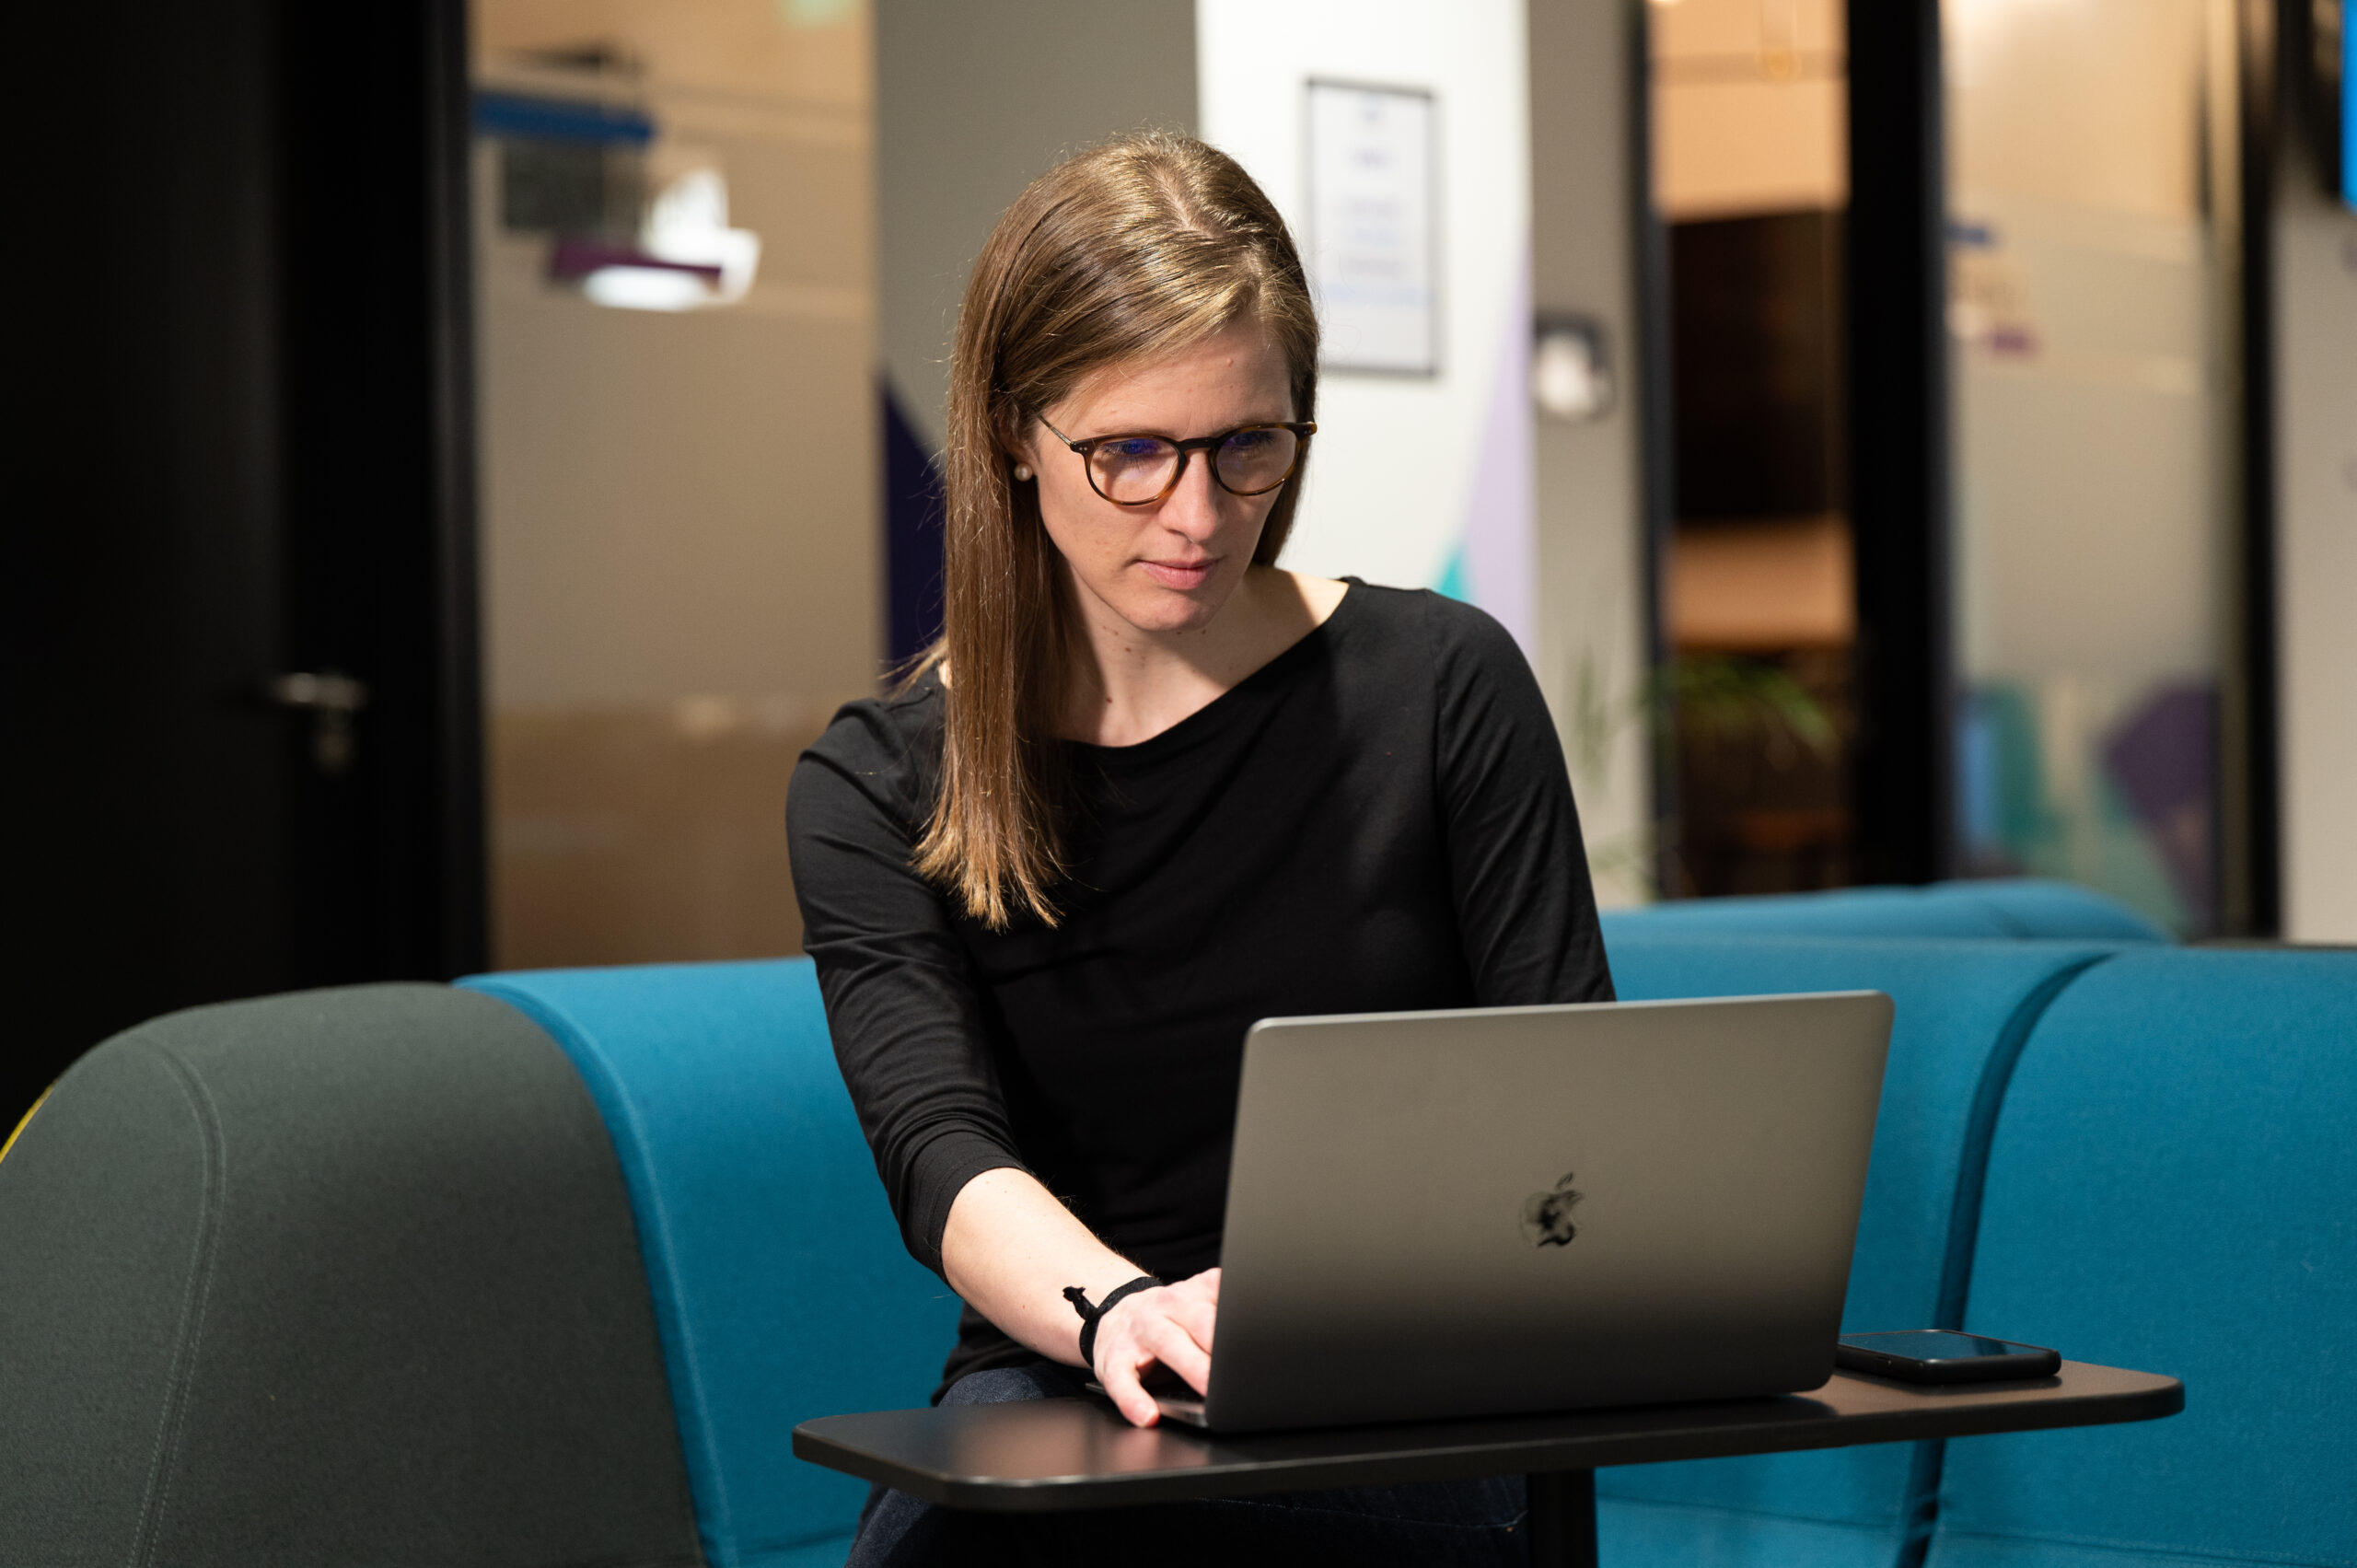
(1928, 1469)
(2002, 918)
(163, 1459)
(1980, 1131)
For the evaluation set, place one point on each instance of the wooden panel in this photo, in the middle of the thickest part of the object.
(642, 835)
(1762, 587)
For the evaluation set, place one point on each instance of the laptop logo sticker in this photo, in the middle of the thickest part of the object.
(1546, 1216)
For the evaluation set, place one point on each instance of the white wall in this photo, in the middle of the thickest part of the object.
(973, 101)
(1589, 525)
(1414, 480)
(2316, 563)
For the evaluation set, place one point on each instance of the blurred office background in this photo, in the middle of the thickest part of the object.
(679, 498)
(471, 446)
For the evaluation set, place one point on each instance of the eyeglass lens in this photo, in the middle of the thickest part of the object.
(1136, 469)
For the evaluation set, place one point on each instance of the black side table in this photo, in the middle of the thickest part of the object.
(1047, 1454)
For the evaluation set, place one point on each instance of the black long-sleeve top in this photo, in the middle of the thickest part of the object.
(1379, 819)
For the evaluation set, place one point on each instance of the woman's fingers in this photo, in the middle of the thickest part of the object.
(1196, 1312)
(1119, 1377)
(1174, 1346)
(1122, 1358)
(1170, 1325)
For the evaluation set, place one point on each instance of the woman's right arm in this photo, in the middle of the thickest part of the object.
(908, 1032)
(1010, 1249)
(902, 1005)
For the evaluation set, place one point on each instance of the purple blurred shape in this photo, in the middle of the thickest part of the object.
(574, 259)
(2165, 760)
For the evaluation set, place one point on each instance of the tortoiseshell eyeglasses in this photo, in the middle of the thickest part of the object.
(1138, 471)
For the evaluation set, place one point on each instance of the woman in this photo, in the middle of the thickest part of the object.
(1148, 789)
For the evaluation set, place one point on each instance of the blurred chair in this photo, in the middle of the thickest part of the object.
(337, 1277)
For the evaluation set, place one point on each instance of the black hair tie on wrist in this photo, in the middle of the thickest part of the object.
(1091, 1316)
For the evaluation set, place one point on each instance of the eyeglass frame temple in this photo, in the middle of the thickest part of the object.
(1302, 430)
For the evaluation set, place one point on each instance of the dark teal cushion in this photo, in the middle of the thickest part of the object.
(781, 1287)
(2017, 906)
(2173, 1187)
(1963, 1009)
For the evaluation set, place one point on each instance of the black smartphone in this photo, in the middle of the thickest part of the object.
(1943, 1355)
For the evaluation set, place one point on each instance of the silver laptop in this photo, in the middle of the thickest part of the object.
(1520, 1209)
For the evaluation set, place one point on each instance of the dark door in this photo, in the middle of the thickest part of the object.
(242, 714)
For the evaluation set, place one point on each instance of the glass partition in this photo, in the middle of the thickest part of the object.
(2089, 144)
(674, 262)
(1750, 177)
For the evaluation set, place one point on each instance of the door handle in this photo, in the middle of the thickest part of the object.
(331, 698)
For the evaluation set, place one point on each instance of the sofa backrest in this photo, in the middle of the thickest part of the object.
(759, 1206)
(1997, 908)
(353, 1276)
(781, 1287)
(343, 1276)
(1963, 1011)
(2173, 1187)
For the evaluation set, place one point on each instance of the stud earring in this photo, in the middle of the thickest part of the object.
(1021, 474)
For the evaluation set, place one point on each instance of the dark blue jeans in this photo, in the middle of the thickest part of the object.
(1458, 1524)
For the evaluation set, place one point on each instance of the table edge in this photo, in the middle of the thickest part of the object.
(2164, 1398)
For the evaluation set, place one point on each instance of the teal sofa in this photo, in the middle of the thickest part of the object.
(552, 1263)
(2006, 909)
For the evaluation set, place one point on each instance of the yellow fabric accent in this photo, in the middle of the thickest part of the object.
(25, 1123)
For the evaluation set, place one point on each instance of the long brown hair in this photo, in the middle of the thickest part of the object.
(1143, 246)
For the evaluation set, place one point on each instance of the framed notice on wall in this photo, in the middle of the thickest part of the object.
(1373, 230)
